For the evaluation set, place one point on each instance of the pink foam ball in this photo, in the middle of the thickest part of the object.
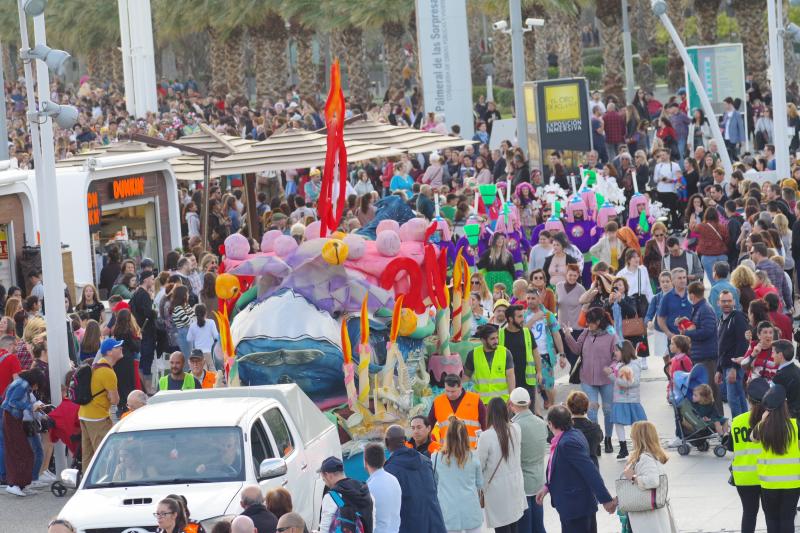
(356, 246)
(236, 246)
(285, 246)
(388, 243)
(414, 230)
(312, 230)
(386, 225)
(268, 240)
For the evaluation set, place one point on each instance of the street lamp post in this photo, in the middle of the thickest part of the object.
(660, 10)
(776, 59)
(516, 33)
(44, 162)
(628, 51)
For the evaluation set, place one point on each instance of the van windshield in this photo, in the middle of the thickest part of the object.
(165, 456)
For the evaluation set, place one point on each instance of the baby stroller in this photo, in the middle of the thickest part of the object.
(66, 428)
(692, 428)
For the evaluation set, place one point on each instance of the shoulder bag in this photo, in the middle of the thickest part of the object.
(632, 499)
(634, 326)
(480, 492)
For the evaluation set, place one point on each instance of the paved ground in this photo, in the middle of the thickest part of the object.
(701, 498)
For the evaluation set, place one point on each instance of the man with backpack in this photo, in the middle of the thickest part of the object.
(347, 506)
(95, 392)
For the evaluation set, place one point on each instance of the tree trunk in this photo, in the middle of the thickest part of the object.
(269, 55)
(792, 65)
(535, 44)
(706, 12)
(753, 30)
(609, 15)
(501, 59)
(395, 56)
(354, 62)
(235, 62)
(219, 85)
(676, 10)
(305, 68)
(117, 74)
(643, 26)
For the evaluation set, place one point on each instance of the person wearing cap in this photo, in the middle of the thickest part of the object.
(95, 416)
(533, 444)
(207, 378)
(177, 379)
(498, 317)
(490, 366)
(464, 405)
(778, 465)
(313, 186)
(344, 492)
(788, 374)
(746, 452)
(141, 306)
(419, 509)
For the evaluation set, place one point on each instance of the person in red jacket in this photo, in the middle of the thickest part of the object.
(780, 319)
(712, 241)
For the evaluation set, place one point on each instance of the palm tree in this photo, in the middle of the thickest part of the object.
(706, 12)
(535, 41)
(302, 35)
(676, 10)
(644, 27)
(609, 13)
(391, 18)
(566, 21)
(752, 28)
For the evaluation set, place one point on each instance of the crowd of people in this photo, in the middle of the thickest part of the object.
(712, 284)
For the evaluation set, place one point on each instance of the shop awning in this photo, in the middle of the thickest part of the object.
(402, 138)
(293, 149)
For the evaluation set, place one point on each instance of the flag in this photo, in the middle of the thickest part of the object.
(335, 170)
(643, 223)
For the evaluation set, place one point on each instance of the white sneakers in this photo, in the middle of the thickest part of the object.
(48, 476)
(674, 443)
(16, 491)
(39, 483)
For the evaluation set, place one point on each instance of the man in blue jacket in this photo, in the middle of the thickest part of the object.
(732, 125)
(703, 332)
(419, 510)
(573, 481)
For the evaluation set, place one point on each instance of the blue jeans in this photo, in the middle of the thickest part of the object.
(38, 455)
(183, 344)
(708, 264)
(736, 396)
(532, 520)
(596, 394)
(2, 450)
(681, 151)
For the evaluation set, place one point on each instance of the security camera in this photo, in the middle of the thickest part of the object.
(793, 30)
(534, 22)
(500, 25)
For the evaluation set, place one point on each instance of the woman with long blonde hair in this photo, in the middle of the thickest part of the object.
(12, 306)
(459, 478)
(644, 469)
(744, 279)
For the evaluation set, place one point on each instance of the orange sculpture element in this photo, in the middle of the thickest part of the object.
(335, 170)
(227, 286)
(395, 329)
(225, 339)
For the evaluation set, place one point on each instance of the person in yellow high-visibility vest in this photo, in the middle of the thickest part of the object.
(490, 366)
(779, 462)
(744, 468)
(517, 339)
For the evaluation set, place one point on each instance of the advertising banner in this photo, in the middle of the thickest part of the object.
(721, 69)
(444, 61)
(563, 115)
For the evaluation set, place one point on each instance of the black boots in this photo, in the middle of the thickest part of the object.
(623, 451)
(609, 448)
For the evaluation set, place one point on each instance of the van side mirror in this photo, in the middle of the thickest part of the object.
(272, 468)
(69, 477)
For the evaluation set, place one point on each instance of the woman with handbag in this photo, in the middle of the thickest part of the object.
(643, 491)
(458, 480)
(19, 457)
(639, 291)
(624, 309)
(712, 241)
(499, 450)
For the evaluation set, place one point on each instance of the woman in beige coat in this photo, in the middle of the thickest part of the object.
(499, 449)
(644, 468)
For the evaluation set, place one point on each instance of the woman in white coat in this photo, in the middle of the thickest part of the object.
(499, 449)
(644, 468)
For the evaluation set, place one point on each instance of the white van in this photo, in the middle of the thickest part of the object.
(205, 445)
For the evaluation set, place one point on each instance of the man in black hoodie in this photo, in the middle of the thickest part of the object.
(253, 504)
(419, 510)
(344, 497)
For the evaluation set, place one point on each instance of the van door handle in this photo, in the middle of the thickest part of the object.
(285, 482)
(304, 466)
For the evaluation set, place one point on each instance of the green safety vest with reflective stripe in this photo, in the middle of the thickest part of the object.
(188, 382)
(745, 453)
(490, 382)
(530, 362)
(781, 471)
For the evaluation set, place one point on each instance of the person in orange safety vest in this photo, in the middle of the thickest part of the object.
(207, 378)
(466, 406)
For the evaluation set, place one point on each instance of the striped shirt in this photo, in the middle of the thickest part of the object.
(182, 316)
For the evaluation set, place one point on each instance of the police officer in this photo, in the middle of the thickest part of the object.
(746, 452)
(490, 366)
(779, 462)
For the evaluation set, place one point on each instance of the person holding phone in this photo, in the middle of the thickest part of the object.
(667, 175)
